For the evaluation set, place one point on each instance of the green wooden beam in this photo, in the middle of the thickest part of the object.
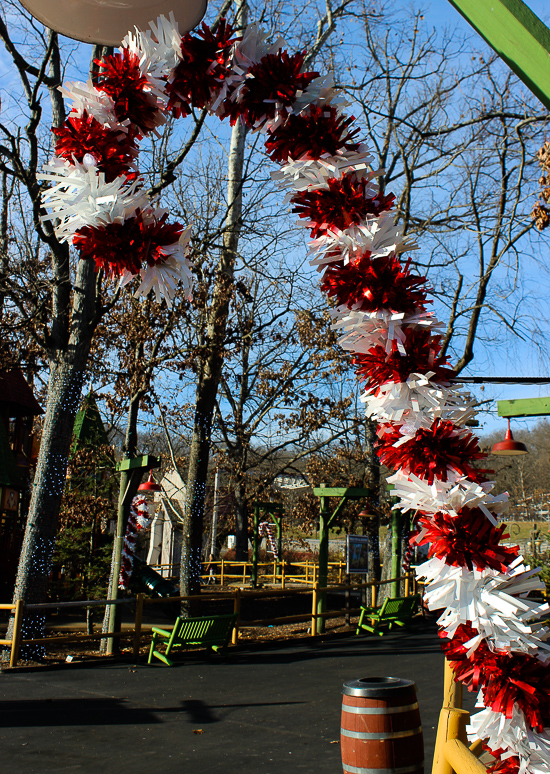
(147, 462)
(524, 407)
(341, 491)
(517, 35)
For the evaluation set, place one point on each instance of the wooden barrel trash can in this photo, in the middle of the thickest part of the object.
(380, 729)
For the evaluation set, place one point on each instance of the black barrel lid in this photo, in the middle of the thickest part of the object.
(377, 687)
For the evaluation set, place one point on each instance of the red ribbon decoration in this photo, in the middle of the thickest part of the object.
(465, 540)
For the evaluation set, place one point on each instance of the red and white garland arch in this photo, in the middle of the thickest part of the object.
(97, 202)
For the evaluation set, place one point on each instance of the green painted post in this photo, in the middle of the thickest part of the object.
(395, 551)
(517, 35)
(324, 525)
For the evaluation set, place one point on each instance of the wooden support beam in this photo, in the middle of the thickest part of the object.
(145, 462)
(517, 35)
(341, 491)
(524, 407)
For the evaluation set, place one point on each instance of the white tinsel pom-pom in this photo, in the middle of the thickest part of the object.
(380, 236)
(86, 98)
(158, 50)
(448, 496)
(314, 174)
(361, 331)
(492, 602)
(512, 735)
(416, 403)
(81, 197)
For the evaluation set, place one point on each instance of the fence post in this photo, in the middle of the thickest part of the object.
(274, 571)
(16, 637)
(373, 595)
(244, 573)
(221, 573)
(407, 582)
(314, 595)
(236, 609)
(137, 626)
(283, 574)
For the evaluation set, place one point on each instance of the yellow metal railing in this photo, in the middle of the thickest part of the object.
(452, 753)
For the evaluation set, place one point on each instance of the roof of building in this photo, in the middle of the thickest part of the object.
(16, 395)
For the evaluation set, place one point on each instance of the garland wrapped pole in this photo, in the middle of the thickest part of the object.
(490, 628)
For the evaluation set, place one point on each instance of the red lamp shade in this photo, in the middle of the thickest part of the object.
(509, 447)
(150, 485)
(95, 21)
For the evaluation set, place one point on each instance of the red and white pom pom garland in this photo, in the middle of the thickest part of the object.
(493, 633)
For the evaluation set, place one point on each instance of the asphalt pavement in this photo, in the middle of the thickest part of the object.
(265, 709)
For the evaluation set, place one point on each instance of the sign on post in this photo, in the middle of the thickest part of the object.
(357, 554)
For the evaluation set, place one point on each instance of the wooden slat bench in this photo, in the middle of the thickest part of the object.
(393, 611)
(207, 632)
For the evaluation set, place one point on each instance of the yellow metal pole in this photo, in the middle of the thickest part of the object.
(314, 595)
(452, 689)
(137, 626)
(407, 581)
(236, 609)
(244, 573)
(459, 757)
(452, 725)
(16, 638)
(283, 583)
(221, 574)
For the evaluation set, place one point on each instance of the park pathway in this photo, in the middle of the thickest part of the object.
(270, 709)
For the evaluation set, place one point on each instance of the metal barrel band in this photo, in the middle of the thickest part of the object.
(379, 710)
(362, 770)
(381, 735)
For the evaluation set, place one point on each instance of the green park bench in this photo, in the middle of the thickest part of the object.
(208, 632)
(393, 611)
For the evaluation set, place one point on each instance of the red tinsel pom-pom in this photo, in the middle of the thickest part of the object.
(344, 203)
(431, 452)
(373, 284)
(271, 83)
(127, 245)
(507, 766)
(466, 540)
(120, 77)
(320, 129)
(203, 66)
(113, 152)
(500, 766)
(377, 367)
(506, 679)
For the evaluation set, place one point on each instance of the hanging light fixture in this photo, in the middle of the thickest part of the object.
(96, 21)
(509, 447)
(150, 486)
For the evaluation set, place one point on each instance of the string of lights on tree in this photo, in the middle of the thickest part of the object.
(489, 628)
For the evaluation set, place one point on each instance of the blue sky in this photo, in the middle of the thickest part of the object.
(515, 361)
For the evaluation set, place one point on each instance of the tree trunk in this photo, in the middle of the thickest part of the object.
(241, 521)
(67, 368)
(211, 367)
